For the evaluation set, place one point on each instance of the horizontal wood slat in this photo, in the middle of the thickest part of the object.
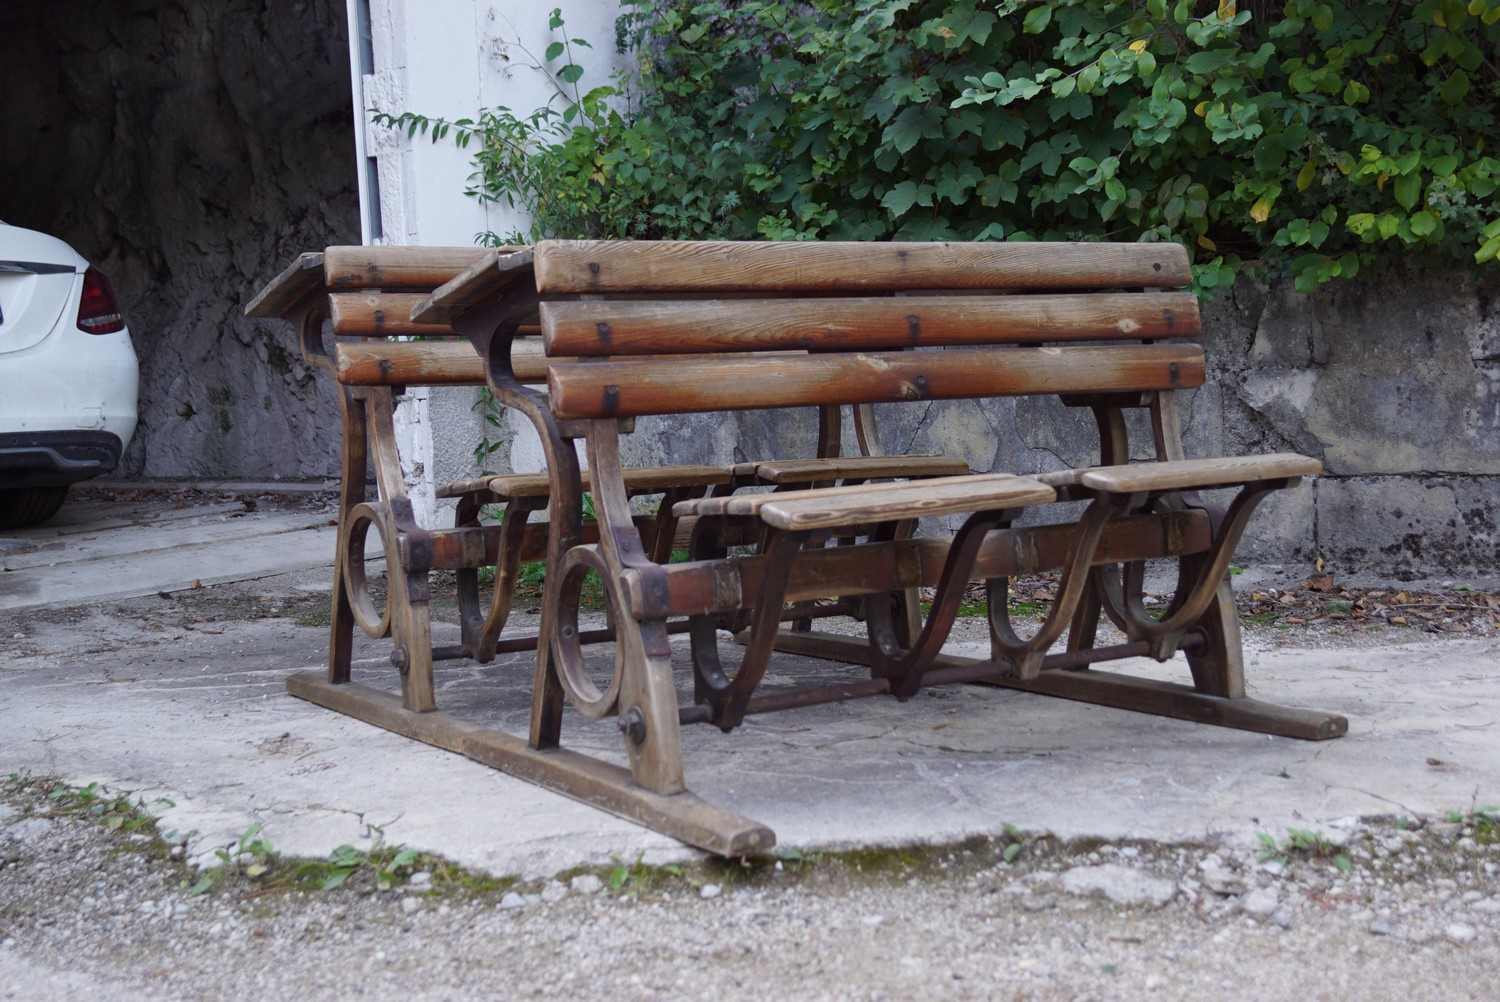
(376, 314)
(287, 290)
(802, 471)
(393, 267)
(408, 363)
(605, 266)
(637, 480)
(633, 388)
(595, 327)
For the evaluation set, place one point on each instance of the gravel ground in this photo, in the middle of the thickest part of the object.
(92, 904)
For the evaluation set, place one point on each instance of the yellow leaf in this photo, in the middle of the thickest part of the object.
(1380, 182)
(1261, 210)
(1306, 174)
(1200, 109)
(1206, 243)
(1138, 46)
(1227, 9)
(1320, 565)
(947, 32)
(1438, 18)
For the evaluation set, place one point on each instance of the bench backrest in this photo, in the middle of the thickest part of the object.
(1020, 319)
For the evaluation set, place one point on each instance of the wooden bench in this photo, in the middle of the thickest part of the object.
(640, 329)
(352, 309)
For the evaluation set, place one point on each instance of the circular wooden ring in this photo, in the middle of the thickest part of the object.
(572, 670)
(375, 623)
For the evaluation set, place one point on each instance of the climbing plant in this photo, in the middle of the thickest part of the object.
(1313, 139)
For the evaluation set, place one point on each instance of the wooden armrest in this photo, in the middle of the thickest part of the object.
(834, 507)
(286, 291)
(1188, 474)
(638, 480)
(802, 471)
(490, 276)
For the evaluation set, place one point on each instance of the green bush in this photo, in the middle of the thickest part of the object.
(1321, 140)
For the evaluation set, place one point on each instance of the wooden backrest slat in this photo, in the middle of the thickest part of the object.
(395, 268)
(606, 327)
(621, 266)
(602, 389)
(498, 270)
(432, 363)
(376, 314)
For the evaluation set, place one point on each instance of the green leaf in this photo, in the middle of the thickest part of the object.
(1208, 61)
(554, 50)
(570, 73)
(1037, 19)
(1408, 190)
(1424, 223)
(1455, 88)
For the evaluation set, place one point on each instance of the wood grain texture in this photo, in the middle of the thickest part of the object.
(396, 267)
(1188, 474)
(636, 387)
(491, 275)
(802, 471)
(408, 363)
(287, 291)
(608, 327)
(376, 314)
(604, 266)
(833, 507)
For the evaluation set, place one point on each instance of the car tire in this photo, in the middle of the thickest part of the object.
(24, 506)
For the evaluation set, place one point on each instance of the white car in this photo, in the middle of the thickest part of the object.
(68, 375)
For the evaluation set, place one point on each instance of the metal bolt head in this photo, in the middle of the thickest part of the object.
(633, 725)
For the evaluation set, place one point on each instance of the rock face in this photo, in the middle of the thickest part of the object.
(191, 149)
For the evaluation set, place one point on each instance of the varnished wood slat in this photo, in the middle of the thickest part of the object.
(491, 275)
(802, 471)
(395, 267)
(595, 327)
(637, 480)
(605, 266)
(635, 387)
(832, 507)
(1188, 474)
(377, 314)
(408, 363)
(288, 290)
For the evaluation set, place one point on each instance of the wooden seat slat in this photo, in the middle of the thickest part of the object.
(394, 268)
(836, 507)
(618, 266)
(492, 274)
(633, 388)
(376, 314)
(593, 327)
(1203, 474)
(408, 363)
(302, 278)
(801, 471)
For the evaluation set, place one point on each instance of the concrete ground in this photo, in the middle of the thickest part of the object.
(147, 641)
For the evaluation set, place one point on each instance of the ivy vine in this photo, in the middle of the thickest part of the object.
(1314, 139)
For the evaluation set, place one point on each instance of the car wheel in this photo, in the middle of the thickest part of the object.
(23, 506)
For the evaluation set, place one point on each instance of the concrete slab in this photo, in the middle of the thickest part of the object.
(188, 704)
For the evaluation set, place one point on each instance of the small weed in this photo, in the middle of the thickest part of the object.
(1303, 844)
(115, 811)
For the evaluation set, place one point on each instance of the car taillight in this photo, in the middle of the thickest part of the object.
(98, 312)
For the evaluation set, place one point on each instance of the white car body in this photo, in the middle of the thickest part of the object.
(67, 396)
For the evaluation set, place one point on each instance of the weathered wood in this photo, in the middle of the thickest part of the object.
(1125, 692)
(682, 816)
(376, 314)
(838, 507)
(299, 282)
(1194, 474)
(491, 275)
(621, 266)
(638, 480)
(408, 363)
(594, 327)
(396, 268)
(638, 388)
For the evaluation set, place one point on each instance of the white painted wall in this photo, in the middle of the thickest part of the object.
(448, 59)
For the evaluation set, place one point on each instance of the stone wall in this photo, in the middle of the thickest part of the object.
(190, 150)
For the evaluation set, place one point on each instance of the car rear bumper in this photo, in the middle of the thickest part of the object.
(53, 458)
